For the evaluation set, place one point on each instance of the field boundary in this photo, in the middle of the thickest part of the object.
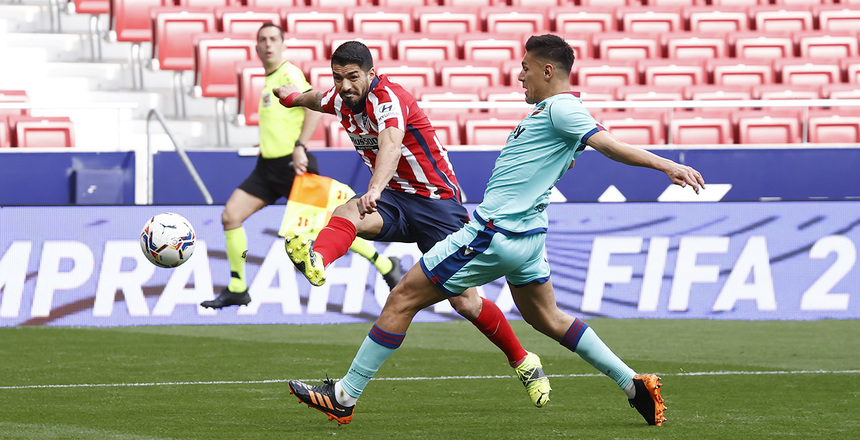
(414, 378)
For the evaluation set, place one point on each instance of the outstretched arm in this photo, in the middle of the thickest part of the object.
(618, 151)
(290, 97)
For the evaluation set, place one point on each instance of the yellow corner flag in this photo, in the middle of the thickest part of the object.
(312, 200)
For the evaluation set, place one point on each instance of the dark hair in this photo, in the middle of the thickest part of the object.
(265, 25)
(551, 48)
(353, 52)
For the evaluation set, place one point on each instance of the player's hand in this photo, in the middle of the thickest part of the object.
(367, 202)
(683, 175)
(300, 161)
(286, 93)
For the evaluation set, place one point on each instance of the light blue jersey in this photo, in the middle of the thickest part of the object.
(537, 153)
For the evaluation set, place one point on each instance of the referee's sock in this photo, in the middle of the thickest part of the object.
(365, 248)
(237, 250)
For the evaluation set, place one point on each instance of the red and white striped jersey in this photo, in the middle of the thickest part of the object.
(424, 168)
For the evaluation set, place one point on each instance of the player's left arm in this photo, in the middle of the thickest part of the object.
(387, 158)
(618, 151)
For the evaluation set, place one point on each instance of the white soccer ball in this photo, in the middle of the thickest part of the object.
(167, 240)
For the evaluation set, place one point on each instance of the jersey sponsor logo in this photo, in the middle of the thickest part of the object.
(518, 131)
(385, 112)
(368, 142)
(541, 207)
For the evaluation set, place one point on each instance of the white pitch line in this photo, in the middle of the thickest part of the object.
(251, 382)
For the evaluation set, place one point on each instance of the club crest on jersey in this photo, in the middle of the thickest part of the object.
(267, 99)
(538, 110)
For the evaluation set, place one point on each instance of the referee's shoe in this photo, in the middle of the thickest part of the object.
(228, 298)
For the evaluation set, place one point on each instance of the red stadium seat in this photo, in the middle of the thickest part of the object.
(768, 126)
(678, 3)
(701, 127)
(130, 19)
(505, 20)
(708, 19)
(451, 21)
(240, 20)
(14, 96)
(636, 127)
(582, 45)
(42, 132)
(337, 3)
(210, 4)
(490, 47)
(446, 94)
(337, 136)
(304, 48)
(252, 79)
(832, 126)
(172, 31)
(752, 45)
(597, 93)
(746, 72)
(605, 73)
(816, 44)
(92, 6)
(406, 3)
(216, 59)
(626, 46)
(415, 74)
(493, 130)
(4, 133)
(712, 92)
(781, 19)
(837, 18)
(686, 45)
(412, 47)
(606, 3)
(674, 72)
(319, 21)
(471, 3)
(379, 44)
(840, 91)
(651, 20)
(447, 129)
(787, 91)
(468, 74)
(851, 67)
(318, 73)
(739, 2)
(389, 21)
(812, 71)
(577, 21)
(650, 93)
(537, 3)
(273, 3)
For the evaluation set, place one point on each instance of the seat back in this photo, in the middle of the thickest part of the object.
(216, 56)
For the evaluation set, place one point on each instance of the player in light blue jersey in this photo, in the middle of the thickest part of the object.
(507, 238)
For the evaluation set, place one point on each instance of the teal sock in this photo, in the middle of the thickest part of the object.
(376, 348)
(582, 340)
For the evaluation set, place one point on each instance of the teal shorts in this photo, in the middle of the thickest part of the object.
(476, 255)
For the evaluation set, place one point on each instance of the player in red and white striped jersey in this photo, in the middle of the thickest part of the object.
(412, 196)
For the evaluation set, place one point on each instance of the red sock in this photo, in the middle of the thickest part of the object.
(492, 323)
(335, 239)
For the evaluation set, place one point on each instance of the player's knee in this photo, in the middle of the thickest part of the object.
(466, 306)
(230, 220)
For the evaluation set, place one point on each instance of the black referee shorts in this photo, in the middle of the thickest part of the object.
(273, 178)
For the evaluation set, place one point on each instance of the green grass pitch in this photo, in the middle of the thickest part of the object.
(722, 379)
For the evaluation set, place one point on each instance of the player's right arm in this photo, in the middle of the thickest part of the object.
(290, 96)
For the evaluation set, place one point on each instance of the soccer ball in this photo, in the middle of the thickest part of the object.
(167, 240)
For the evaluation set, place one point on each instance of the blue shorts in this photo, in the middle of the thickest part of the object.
(410, 218)
(476, 255)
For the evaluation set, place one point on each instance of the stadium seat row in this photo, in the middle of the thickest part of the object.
(683, 127)
(131, 20)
